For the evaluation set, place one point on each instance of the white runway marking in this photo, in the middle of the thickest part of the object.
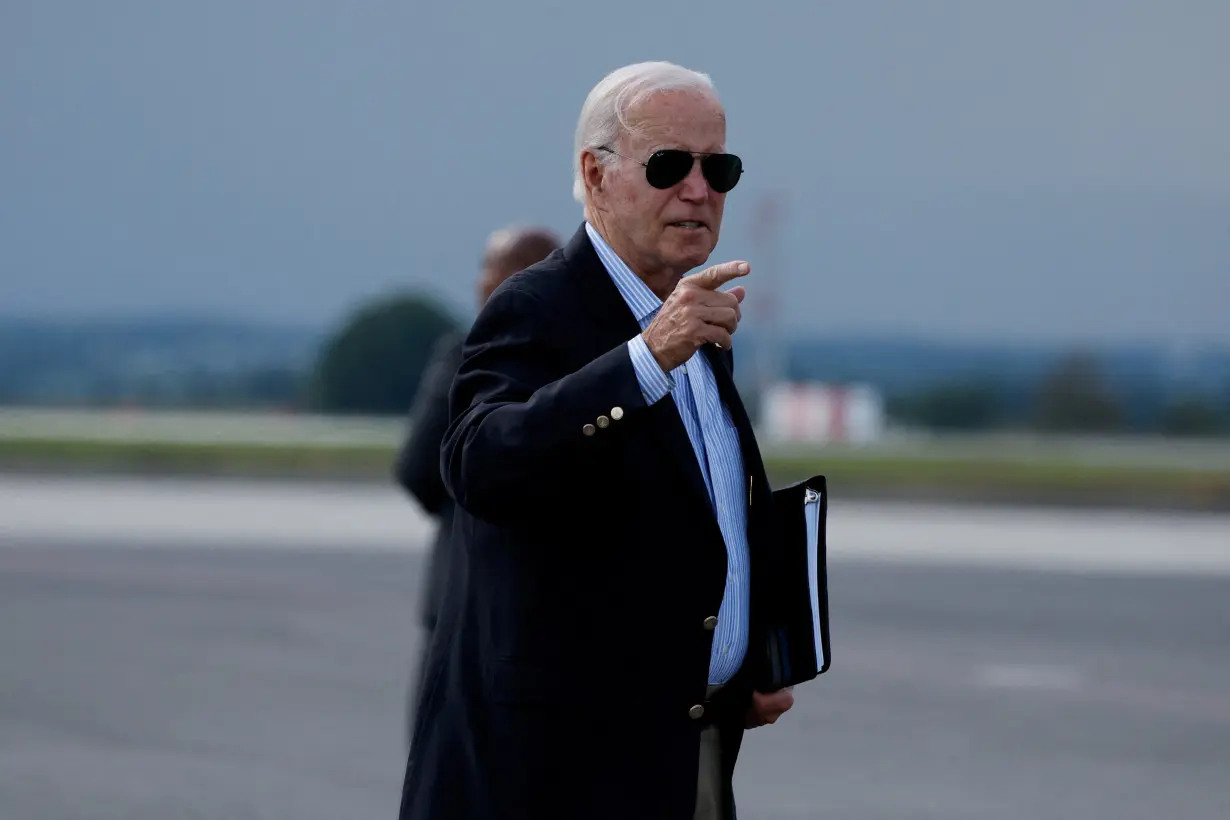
(167, 513)
(171, 512)
(1067, 539)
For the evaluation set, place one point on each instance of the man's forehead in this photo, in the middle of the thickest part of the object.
(696, 101)
(672, 116)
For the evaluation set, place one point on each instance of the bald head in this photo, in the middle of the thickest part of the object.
(510, 250)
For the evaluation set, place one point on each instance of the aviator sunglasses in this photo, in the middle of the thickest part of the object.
(670, 166)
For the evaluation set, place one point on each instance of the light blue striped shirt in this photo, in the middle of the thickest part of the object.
(715, 440)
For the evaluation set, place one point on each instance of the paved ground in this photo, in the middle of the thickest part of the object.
(173, 681)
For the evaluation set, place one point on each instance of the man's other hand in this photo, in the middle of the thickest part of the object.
(768, 708)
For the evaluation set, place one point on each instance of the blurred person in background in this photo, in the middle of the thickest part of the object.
(417, 467)
(597, 655)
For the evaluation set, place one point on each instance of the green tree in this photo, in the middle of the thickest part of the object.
(1074, 398)
(1194, 416)
(373, 363)
(956, 405)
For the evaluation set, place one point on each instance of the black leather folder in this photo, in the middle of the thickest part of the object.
(799, 639)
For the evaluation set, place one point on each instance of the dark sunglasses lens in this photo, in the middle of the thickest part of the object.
(722, 171)
(667, 168)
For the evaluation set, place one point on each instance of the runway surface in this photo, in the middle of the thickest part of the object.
(221, 650)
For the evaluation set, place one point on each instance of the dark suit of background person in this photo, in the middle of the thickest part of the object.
(417, 467)
(570, 676)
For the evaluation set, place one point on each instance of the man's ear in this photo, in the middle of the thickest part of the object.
(593, 172)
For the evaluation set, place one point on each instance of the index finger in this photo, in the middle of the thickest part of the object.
(718, 275)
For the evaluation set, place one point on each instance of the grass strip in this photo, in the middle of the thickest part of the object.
(1054, 480)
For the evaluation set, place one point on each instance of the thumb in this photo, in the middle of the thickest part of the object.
(739, 292)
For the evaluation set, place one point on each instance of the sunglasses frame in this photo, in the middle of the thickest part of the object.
(701, 155)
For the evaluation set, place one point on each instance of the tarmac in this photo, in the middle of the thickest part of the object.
(185, 649)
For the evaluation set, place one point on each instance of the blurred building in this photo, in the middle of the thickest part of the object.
(817, 412)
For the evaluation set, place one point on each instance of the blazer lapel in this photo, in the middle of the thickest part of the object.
(616, 324)
(668, 426)
(719, 362)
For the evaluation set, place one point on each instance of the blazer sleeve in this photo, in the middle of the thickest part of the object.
(417, 467)
(516, 445)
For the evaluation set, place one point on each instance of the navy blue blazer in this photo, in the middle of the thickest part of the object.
(574, 636)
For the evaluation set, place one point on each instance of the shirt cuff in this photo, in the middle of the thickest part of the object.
(654, 383)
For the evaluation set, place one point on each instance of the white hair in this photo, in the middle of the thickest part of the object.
(604, 116)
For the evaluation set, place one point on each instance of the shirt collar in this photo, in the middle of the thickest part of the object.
(642, 301)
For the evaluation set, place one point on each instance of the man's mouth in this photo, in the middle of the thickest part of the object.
(689, 225)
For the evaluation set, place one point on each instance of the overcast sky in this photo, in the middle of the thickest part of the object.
(989, 170)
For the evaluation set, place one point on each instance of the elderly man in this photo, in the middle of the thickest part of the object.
(600, 654)
(417, 467)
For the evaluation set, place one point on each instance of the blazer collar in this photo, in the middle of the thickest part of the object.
(601, 298)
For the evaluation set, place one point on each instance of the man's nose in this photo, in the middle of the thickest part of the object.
(694, 188)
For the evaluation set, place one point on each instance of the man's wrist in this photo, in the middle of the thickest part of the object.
(654, 381)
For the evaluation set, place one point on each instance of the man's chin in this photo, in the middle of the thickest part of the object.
(692, 261)
(692, 255)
